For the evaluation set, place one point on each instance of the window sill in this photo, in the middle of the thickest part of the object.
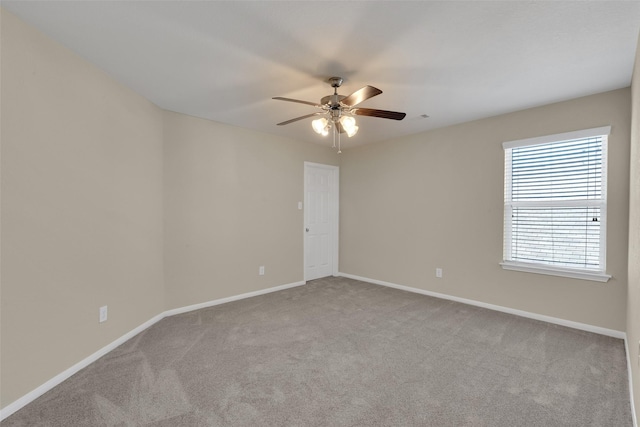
(556, 271)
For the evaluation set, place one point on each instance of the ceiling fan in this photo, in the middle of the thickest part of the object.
(338, 111)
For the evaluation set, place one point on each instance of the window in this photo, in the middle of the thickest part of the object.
(555, 204)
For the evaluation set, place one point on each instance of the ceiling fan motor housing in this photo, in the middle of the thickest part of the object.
(335, 81)
(332, 100)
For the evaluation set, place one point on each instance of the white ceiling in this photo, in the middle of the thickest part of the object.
(454, 61)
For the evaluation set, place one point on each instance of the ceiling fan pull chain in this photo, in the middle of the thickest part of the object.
(339, 150)
(334, 137)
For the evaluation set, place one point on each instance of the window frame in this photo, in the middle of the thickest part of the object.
(599, 275)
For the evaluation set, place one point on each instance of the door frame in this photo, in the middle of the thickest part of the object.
(334, 216)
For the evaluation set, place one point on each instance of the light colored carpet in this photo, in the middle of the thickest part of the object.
(338, 352)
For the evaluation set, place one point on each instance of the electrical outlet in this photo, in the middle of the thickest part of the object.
(439, 273)
(103, 314)
(261, 270)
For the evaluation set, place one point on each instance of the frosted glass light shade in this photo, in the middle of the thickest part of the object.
(320, 126)
(349, 125)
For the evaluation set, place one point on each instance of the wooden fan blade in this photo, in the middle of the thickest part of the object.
(301, 118)
(394, 115)
(361, 95)
(279, 98)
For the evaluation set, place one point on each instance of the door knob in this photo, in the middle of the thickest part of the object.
(307, 230)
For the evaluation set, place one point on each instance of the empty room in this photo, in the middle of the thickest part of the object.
(319, 213)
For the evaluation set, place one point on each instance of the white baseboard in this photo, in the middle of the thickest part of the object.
(193, 307)
(39, 391)
(568, 323)
(34, 394)
(633, 405)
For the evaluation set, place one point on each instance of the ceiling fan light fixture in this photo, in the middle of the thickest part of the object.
(320, 126)
(349, 125)
(347, 121)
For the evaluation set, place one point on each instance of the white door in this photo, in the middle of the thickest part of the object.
(320, 220)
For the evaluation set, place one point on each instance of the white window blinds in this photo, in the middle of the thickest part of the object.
(555, 200)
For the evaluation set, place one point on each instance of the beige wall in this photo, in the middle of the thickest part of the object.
(436, 200)
(231, 205)
(81, 209)
(633, 303)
